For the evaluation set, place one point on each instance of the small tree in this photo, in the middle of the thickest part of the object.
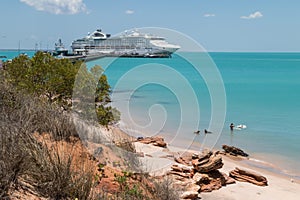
(43, 75)
(47, 77)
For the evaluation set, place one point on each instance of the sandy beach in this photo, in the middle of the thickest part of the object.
(159, 160)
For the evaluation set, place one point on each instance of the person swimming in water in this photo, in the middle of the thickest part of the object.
(231, 126)
(206, 131)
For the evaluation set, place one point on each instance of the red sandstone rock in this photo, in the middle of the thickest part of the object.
(228, 179)
(234, 151)
(156, 141)
(180, 169)
(212, 181)
(182, 174)
(180, 161)
(213, 163)
(247, 176)
(197, 177)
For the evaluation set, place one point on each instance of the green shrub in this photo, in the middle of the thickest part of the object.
(53, 79)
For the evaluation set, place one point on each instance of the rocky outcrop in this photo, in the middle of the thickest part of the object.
(247, 176)
(207, 162)
(200, 173)
(182, 174)
(197, 177)
(204, 172)
(180, 161)
(156, 141)
(181, 171)
(185, 159)
(234, 151)
(212, 181)
(228, 179)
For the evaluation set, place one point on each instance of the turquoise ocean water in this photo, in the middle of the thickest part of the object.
(10, 54)
(262, 92)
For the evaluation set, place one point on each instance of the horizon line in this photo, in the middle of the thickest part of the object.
(229, 51)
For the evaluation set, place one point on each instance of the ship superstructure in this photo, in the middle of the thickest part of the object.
(131, 43)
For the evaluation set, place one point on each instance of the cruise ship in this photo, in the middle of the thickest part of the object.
(128, 44)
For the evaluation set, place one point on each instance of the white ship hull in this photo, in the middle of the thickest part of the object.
(134, 44)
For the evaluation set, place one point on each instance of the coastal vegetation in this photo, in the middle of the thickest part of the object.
(37, 133)
(53, 80)
(31, 163)
(41, 153)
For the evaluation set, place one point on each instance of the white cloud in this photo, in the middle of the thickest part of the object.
(129, 12)
(253, 15)
(209, 15)
(57, 6)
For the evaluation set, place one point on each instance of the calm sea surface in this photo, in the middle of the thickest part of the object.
(262, 91)
(10, 54)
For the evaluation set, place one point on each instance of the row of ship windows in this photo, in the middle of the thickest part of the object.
(113, 43)
(112, 47)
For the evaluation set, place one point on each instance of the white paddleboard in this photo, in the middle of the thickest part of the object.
(240, 127)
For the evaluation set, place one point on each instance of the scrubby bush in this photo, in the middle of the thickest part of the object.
(33, 92)
(26, 161)
(164, 190)
(128, 191)
(53, 79)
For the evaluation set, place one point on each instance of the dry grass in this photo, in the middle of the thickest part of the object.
(164, 189)
(26, 161)
(50, 165)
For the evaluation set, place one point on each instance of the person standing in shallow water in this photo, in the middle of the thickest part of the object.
(231, 126)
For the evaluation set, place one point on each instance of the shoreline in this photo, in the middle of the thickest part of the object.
(262, 164)
(257, 164)
(265, 171)
(281, 166)
(279, 186)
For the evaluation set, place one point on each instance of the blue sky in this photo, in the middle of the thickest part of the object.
(218, 25)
